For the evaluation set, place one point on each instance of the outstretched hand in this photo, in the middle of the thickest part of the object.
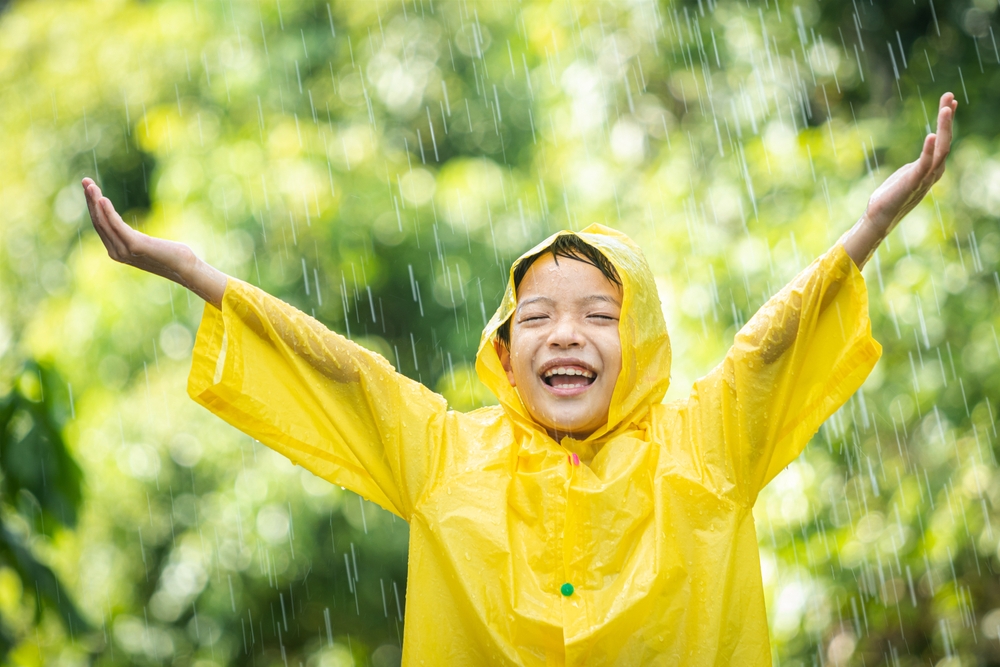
(902, 191)
(169, 259)
(130, 246)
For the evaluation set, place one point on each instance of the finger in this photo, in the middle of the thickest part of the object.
(925, 162)
(946, 108)
(91, 191)
(99, 226)
(948, 100)
(94, 197)
(100, 217)
(943, 145)
(129, 239)
(86, 196)
(94, 193)
(112, 228)
(114, 220)
(93, 205)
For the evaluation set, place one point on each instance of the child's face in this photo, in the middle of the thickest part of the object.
(565, 353)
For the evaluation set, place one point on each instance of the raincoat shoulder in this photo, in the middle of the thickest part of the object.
(795, 362)
(328, 404)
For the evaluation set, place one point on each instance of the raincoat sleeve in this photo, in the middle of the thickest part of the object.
(797, 360)
(329, 405)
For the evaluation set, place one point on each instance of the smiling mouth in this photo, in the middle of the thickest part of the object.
(568, 377)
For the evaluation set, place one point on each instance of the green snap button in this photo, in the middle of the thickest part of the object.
(566, 589)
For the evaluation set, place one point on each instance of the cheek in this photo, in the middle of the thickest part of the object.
(611, 353)
(520, 359)
(616, 360)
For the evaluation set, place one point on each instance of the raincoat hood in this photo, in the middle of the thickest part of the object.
(645, 372)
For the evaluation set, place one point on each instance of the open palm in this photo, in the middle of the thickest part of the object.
(902, 191)
(129, 246)
(169, 259)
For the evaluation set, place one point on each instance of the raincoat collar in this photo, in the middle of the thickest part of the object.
(645, 373)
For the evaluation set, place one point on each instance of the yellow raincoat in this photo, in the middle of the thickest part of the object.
(653, 528)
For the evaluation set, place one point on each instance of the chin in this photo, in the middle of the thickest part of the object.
(568, 425)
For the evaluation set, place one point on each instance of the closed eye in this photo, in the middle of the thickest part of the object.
(605, 317)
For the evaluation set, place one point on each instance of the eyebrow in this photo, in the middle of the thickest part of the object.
(602, 297)
(536, 299)
(589, 299)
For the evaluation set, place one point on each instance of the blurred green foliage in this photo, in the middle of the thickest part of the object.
(41, 488)
(378, 165)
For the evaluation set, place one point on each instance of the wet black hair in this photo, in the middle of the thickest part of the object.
(570, 246)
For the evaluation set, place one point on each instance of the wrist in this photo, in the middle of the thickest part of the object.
(185, 264)
(203, 279)
(861, 240)
(876, 226)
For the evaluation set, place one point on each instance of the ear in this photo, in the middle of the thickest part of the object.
(504, 355)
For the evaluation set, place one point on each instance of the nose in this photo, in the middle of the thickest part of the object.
(565, 334)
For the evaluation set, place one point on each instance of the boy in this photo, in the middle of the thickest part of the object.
(581, 521)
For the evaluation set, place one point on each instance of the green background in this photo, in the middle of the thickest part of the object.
(378, 165)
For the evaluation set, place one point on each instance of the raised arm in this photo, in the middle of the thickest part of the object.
(286, 380)
(803, 354)
(170, 259)
(902, 191)
(775, 328)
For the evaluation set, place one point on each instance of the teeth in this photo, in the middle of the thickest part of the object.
(563, 370)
